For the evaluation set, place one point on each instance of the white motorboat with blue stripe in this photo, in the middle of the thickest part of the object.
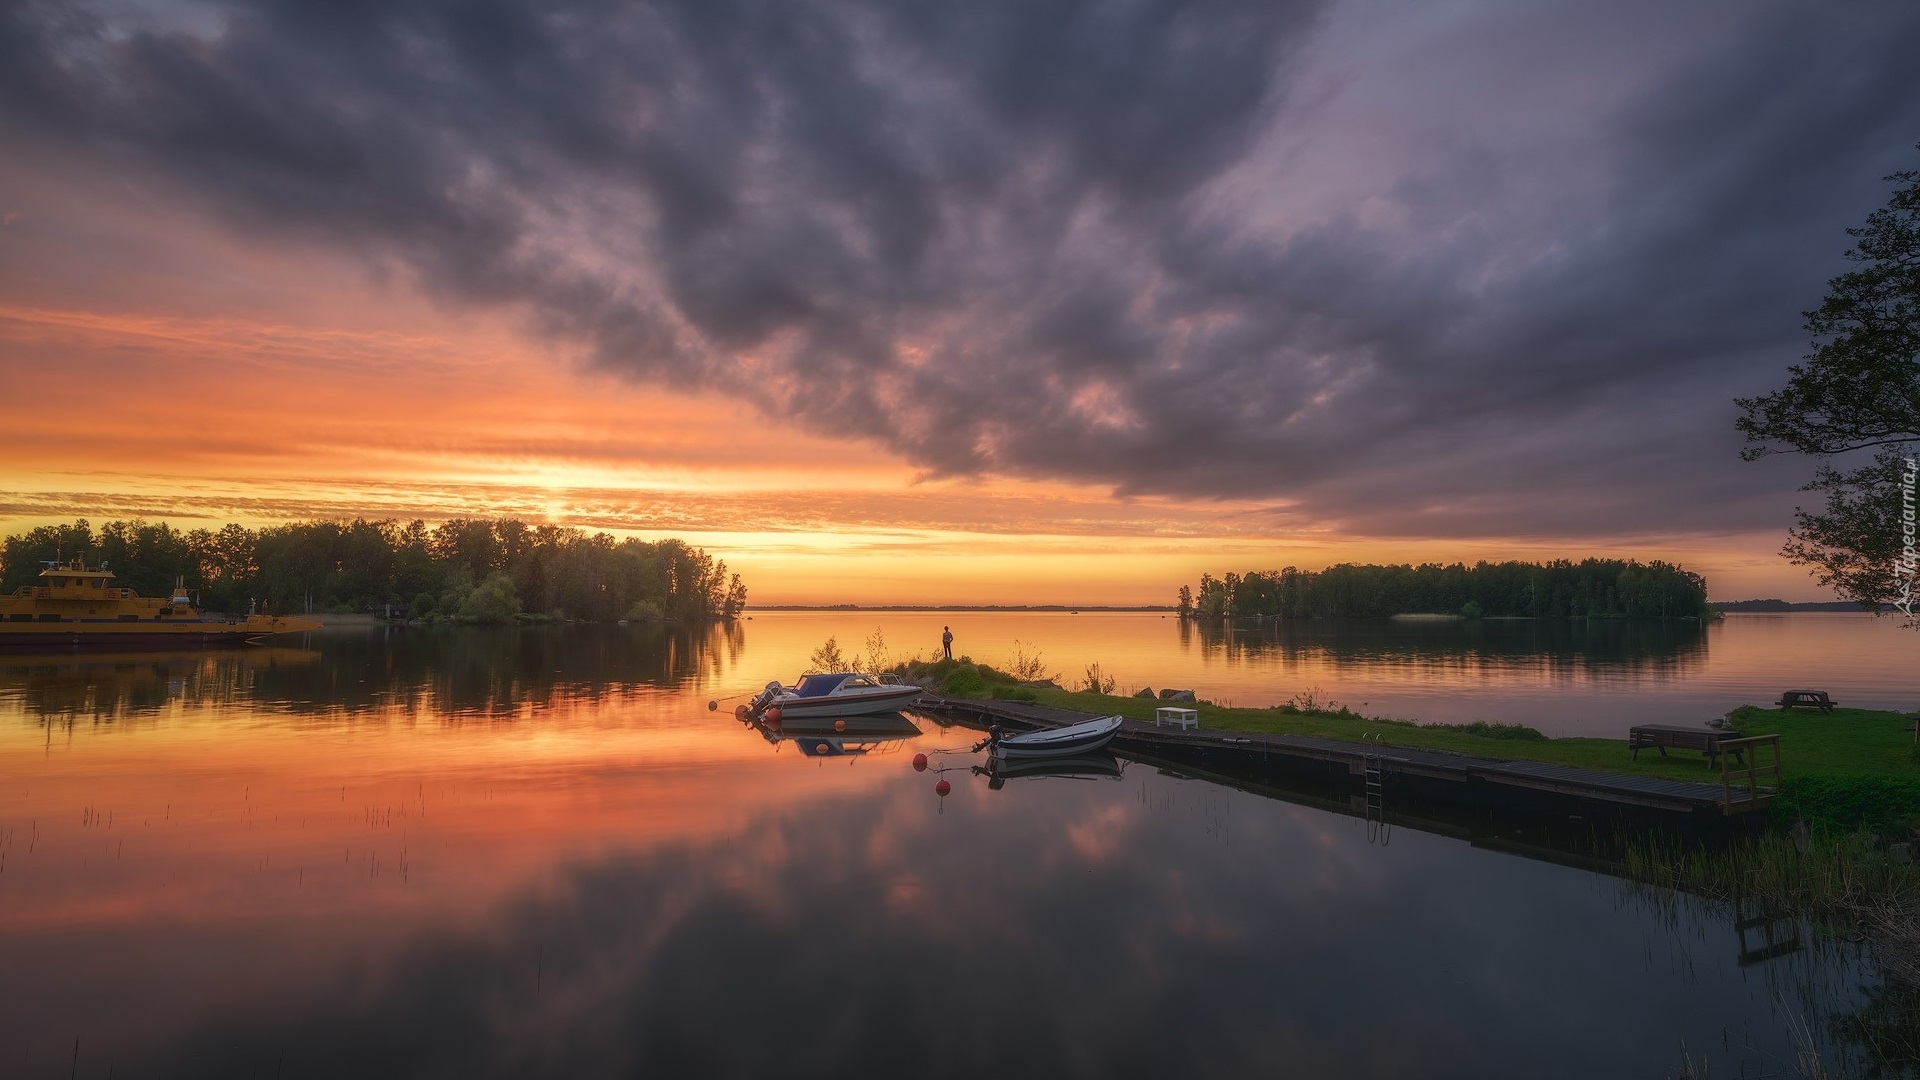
(835, 693)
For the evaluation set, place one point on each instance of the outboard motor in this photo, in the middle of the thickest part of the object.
(765, 697)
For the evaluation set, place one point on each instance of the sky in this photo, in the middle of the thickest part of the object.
(1013, 301)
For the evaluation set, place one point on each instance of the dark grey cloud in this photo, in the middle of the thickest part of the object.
(1413, 272)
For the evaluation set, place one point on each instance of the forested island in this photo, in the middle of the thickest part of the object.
(1782, 605)
(1558, 589)
(468, 569)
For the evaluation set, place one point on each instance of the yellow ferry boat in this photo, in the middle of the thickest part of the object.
(73, 606)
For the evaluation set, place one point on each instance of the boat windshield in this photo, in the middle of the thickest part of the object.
(819, 685)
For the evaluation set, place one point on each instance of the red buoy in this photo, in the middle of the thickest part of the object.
(919, 763)
(773, 714)
(942, 788)
(839, 725)
(739, 712)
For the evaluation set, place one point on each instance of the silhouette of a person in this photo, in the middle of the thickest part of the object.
(946, 641)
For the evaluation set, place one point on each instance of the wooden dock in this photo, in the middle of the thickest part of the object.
(1440, 776)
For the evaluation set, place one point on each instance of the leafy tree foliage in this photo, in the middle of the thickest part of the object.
(1591, 587)
(828, 658)
(1858, 389)
(467, 567)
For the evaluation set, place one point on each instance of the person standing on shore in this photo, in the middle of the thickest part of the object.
(946, 641)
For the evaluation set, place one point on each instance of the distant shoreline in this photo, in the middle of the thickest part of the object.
(1782, 605)
(1730, 606)
(1070, 608)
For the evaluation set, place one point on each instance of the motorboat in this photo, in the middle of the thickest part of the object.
(1081, 738)
(835, 693)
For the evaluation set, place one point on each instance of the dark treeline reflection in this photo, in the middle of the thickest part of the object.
(454, 671)
(1653, 647)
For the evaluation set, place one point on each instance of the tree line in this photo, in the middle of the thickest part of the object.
(1561, 588)
(470, 569)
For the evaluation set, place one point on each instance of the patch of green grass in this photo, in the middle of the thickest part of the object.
(1501, 732)
(1845, 742)
(960, 678)
(1890, 803)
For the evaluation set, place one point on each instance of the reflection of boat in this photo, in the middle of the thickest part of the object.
(73, 606)
(115, 683)
(1056, 742)
(837, 693)
(1092, 765)
(837, 736)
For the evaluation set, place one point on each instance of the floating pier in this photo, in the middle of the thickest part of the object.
(1383, 772)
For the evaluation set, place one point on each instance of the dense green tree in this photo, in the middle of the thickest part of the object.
(465, 568)
(1857, 390)
(492, 601)
(1591, 587)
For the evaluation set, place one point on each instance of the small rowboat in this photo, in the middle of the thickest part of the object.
(1092, 765)
(1057, 742)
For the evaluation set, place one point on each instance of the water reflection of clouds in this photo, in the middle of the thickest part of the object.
(852, 925)
(657, 890)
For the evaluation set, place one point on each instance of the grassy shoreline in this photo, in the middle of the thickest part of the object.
(1850, 768)
(1843, 743)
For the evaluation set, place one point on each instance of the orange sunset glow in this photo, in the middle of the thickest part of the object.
(406, 411)
(175, 363)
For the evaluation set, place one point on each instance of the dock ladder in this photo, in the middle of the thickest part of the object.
(1378, 829)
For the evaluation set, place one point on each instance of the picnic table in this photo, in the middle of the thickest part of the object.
(1661, 736)
(1817, 699)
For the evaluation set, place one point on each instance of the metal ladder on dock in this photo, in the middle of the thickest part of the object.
(1379, 830)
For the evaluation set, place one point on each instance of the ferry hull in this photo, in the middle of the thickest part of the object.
(183, 635)
(85, 640)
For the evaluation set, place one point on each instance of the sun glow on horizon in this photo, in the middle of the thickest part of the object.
(447, 418)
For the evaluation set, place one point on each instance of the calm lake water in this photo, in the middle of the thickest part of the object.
(1564, 677)
(479, 853)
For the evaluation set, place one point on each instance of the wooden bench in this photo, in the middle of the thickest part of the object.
(1181, 718)
(1661, 736)
(1815, 698)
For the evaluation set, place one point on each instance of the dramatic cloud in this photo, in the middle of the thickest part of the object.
(1413, 271)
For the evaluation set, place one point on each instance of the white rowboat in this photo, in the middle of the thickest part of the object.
(1058, 742)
